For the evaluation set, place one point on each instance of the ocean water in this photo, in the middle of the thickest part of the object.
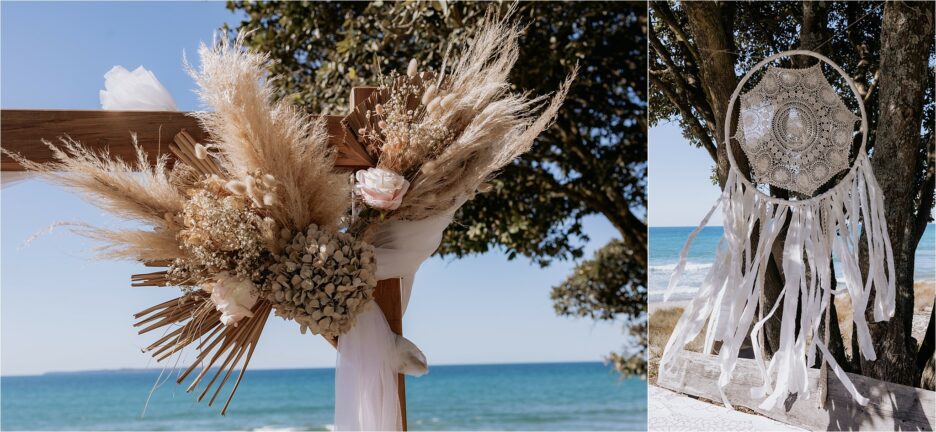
(566, 396)
(667, 242)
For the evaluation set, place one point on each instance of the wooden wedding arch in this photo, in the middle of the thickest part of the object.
(22, 131)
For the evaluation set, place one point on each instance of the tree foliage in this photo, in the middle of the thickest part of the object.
(605, 287)
(591, 162)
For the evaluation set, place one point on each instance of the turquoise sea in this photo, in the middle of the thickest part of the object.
(566, 396)
(667, 242)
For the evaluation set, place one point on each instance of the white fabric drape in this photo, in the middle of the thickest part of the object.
(138, 90)
(370, 355)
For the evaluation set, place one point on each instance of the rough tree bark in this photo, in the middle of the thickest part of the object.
(711, 25)
(814, 35)
(907, 34)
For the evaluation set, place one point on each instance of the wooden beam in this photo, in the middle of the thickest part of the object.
(891, 406)
(388, 296)
(23, 130)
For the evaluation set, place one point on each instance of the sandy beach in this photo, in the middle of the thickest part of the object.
(663, 318)
(924, 294)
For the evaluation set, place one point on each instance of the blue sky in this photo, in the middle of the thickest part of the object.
(62, 310)
(679, 187)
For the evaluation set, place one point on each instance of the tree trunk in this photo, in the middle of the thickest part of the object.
(814, 33)
(711, 25)
(907, 34)
(924, 361)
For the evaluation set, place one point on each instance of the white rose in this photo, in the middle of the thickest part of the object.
(380, 188)
(233, 297)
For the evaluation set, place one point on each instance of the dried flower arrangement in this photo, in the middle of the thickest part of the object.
(246, 225)
(438, 137)
(249, 223)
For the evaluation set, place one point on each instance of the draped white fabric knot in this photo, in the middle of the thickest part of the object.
(370, 355)
(138, 90)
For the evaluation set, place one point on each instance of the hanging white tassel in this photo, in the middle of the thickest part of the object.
(729, 296)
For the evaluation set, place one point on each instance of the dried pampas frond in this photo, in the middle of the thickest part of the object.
(135, 191)
(500, 133)
(218, 220)
(254, 133)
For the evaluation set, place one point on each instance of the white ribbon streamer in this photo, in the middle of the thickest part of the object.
(370, 355)
(729, 295)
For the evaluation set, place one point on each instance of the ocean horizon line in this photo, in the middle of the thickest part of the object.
(130, 370)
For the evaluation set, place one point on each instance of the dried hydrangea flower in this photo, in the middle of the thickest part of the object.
(321, 280)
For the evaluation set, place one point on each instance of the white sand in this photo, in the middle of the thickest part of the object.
(671, 411)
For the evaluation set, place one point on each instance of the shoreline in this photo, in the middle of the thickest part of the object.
(663, 317)
(917, 288)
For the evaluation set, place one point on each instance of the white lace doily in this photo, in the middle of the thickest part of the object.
(795, 129)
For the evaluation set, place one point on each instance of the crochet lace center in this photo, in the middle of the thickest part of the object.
(795, 129)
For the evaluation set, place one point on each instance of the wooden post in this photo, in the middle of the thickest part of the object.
(388, 296)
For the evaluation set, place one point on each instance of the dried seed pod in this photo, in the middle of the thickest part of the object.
(201, 152)
(236, 187)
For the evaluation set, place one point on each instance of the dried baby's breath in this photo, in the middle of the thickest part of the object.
(406, 136)
(220, 233)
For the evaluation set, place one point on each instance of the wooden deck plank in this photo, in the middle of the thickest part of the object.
(891, 406)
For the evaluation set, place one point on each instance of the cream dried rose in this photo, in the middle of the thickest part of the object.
(381, 189)
(233, 297)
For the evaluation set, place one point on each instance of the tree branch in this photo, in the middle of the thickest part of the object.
(695, 96)
(669, 18)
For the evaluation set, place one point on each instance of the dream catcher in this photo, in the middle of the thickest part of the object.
(797, 134)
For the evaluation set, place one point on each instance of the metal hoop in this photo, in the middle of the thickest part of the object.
(734, 96)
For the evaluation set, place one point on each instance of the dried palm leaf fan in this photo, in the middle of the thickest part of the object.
(797, 134)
